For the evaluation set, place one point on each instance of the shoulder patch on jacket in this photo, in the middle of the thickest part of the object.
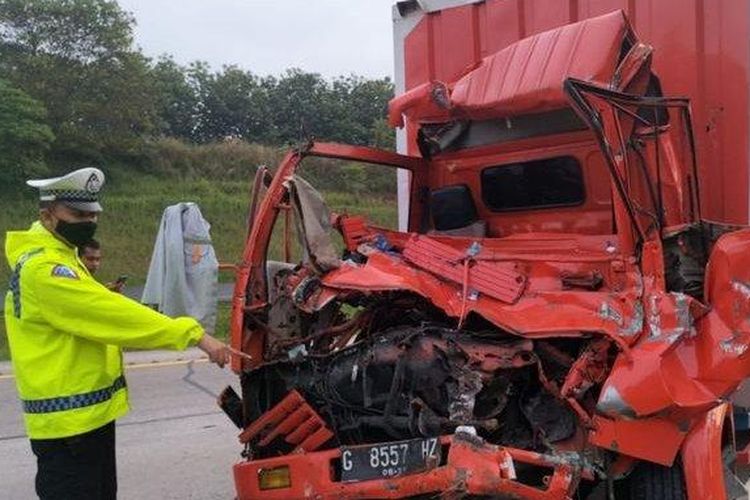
(61, 271)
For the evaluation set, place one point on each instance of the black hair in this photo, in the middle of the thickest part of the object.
(92, 243)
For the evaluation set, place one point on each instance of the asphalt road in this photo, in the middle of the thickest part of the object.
(174, 444)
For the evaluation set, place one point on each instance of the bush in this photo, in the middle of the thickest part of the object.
(24, 137)
(232, 159)
(237, 160)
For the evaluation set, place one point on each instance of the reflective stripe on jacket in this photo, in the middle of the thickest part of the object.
(65, 331)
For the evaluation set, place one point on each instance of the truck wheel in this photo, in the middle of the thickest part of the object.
(650, 481)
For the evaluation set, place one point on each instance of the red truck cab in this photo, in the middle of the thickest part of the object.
(557, 319)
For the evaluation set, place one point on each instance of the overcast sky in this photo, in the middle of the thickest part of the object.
(331, 37)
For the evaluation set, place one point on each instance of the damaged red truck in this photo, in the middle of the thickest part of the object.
(558, 319)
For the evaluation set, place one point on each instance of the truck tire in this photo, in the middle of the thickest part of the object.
(650, 481)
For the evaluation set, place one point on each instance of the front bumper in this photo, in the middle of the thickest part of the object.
(470, 467)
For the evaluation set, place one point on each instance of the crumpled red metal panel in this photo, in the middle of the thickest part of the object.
(528, 75)
(353, 229)
(637, 438)
(689, 357)
(618, 316)
(524, 77)
(498, 280)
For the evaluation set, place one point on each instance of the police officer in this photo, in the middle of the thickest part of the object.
(65, 331)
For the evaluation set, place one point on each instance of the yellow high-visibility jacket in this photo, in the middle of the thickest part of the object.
(65, 331)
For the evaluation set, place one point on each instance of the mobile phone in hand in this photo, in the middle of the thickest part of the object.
(121, 279)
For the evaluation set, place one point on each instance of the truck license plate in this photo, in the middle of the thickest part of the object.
(386, 460)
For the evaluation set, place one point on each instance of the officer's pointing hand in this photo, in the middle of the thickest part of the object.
(217, 351)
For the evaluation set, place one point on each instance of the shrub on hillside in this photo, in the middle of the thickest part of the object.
(24, 137)
(237, 160)
(232, 159)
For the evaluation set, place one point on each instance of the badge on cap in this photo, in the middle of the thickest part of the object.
(93, 185)
(61, 271)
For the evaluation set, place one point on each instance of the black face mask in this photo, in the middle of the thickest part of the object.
(76, 233)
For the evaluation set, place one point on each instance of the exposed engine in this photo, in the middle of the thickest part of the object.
(424, 380)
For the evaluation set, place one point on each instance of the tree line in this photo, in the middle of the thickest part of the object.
(74, 89)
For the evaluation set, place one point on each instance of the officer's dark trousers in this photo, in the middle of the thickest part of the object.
(80, 467)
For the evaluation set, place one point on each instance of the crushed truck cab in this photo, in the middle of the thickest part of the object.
(558, 320)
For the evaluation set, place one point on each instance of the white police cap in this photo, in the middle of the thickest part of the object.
(78, 189)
